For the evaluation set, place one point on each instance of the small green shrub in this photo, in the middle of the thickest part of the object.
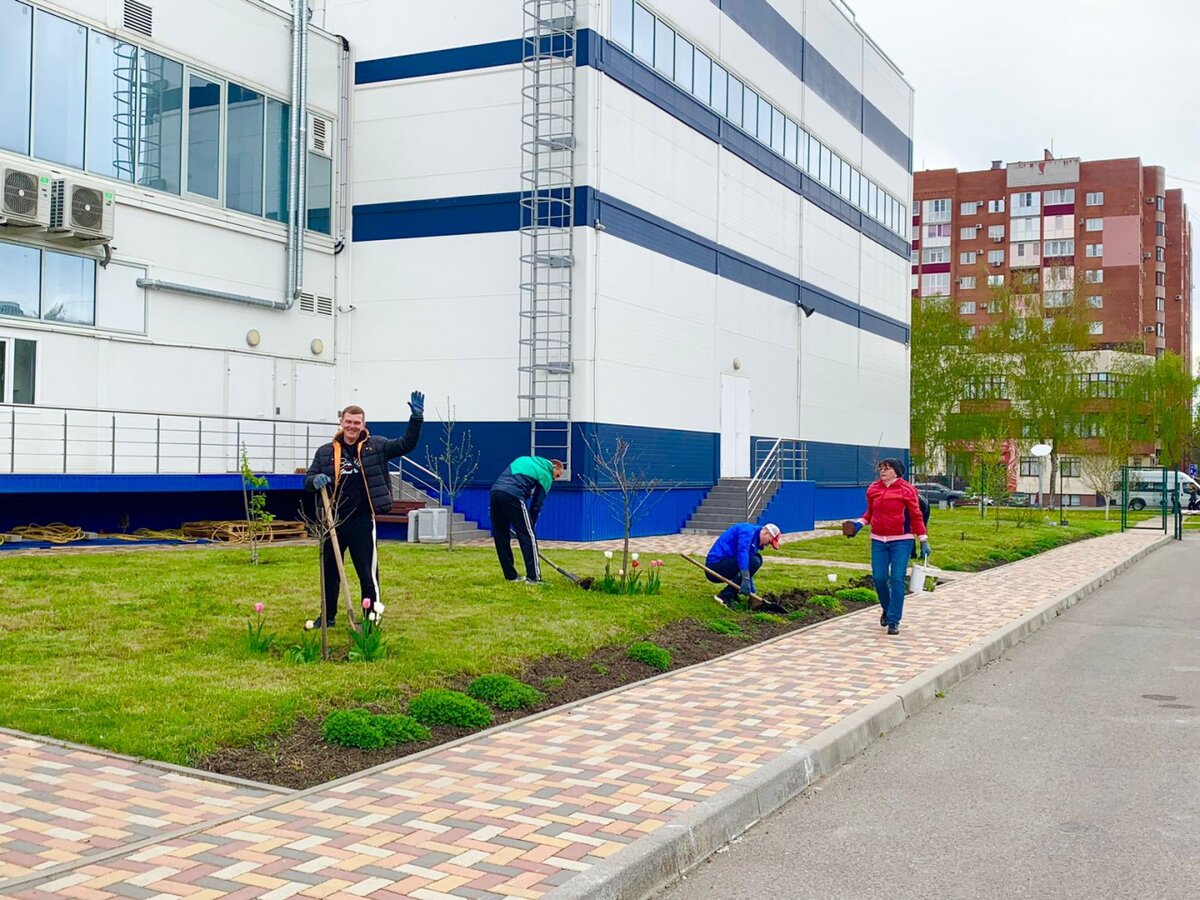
(833, 604)
(504, 692)
(438, 706)
(857, 595)
(553, 681)
(766, 618)
(725, 626)
(368, 731)
(799, 615)
(600, 668)
(651, 654)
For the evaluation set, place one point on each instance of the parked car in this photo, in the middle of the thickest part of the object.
(936, 493)
(1020, 498)
(973, 500)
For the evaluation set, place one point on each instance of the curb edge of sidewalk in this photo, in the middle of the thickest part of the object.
(651, 862)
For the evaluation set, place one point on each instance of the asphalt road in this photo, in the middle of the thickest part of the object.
(1068, 768)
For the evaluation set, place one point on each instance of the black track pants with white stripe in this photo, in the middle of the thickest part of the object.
(358, 536)
(511, 517)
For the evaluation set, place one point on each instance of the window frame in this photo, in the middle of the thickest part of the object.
(223, 84)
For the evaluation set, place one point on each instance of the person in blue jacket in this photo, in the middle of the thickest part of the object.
(737, 555)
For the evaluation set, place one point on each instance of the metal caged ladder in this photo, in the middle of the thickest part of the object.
(547, 220)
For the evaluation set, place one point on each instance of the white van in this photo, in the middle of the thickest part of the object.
(1146, 485)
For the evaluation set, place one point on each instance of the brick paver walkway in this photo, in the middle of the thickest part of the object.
(518, 811)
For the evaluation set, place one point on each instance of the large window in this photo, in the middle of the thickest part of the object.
(643, 34)
(16, 58)
(244, 151)
(20, 280)
(18, 369)
(59, 88)
(111, 104)
(320, 186)
(1031, 467)
(57, 287)
(68, 289)
(160, 123)
(86, 100)
(622, 22)
(278, 119)
(204, 136)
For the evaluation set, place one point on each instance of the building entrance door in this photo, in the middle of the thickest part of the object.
(735, 426)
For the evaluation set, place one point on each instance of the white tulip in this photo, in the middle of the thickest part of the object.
(621, 572)
(633, 556)
(372, 616)
(608, 554)
(379, 607)
(309, 625)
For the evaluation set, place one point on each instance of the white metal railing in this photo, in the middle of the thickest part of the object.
(775, 461)
(75, 440)
(406, 472)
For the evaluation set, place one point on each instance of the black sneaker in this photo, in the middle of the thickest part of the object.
(883, 620)
(893, 629)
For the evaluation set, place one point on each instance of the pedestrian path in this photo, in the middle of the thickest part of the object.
(524, 808)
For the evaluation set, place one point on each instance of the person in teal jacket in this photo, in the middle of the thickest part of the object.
(527, 479)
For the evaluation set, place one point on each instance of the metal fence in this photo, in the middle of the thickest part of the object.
(74, 440)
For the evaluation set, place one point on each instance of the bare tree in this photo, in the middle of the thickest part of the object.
(455, 464)
(628, 490)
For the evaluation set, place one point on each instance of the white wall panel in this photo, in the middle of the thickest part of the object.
(830, 253)
(759, 216)
(439, 314)
(382, 28)
(835, 38)
(886, 88)
(438, 137)
(887, 173)
(751, 62)
(885, 282)
(654, 161)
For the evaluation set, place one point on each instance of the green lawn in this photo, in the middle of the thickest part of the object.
(144, 652)
(961, 541)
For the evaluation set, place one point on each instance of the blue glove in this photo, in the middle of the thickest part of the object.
(925, 548)
(320, 481)
(417, 404)
(747, 584)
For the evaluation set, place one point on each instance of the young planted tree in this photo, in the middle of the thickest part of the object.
(254, 500)
(624, 486)
(1101, 473)
(455, 463)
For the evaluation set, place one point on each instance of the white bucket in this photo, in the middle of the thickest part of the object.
(916, 581)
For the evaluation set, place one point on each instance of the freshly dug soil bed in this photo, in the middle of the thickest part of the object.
(301, 758)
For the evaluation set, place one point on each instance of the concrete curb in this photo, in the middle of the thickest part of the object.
(652, 861)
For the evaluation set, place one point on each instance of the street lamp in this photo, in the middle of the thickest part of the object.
(1041, 451)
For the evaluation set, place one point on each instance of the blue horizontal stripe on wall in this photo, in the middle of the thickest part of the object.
(771, 31)
(782, 42)
(501, 212)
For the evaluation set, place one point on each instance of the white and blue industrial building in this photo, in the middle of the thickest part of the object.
(684, 223)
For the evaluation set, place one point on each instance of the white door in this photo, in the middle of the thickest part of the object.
(735, 426)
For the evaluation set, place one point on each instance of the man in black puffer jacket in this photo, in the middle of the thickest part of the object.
(355, 467)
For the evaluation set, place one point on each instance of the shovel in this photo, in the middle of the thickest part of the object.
(756, 602)
(337, 557)
(585, 583)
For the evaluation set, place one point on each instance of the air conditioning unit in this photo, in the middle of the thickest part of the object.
(1179, 296)
(1149, 329)
(997, 240)
(1145, 256)
(26, 198)
(82, 210)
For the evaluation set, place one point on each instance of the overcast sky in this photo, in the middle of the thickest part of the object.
(1001, 80)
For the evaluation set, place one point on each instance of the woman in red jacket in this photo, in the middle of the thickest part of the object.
(894, 514)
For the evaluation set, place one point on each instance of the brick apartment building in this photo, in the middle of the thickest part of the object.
(1108, 229)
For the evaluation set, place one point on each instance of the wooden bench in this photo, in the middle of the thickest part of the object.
(398, 515)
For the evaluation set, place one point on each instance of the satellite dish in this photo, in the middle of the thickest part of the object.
(1040, 450)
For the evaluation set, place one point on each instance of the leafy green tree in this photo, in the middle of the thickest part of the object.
(942, 361)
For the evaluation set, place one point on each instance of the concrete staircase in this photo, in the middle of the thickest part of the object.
(463, 528)
(725, 505)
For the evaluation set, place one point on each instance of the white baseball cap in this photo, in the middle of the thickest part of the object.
(773, 531)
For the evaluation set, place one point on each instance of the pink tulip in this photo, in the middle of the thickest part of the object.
(366, 602)
(258, 608)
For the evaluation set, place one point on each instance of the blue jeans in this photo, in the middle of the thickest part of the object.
(889, 565)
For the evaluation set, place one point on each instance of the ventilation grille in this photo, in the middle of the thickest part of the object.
(320, 135)
(58, 191)
(139, 17)
(317, 306)
(87, 208)
(20, 193)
